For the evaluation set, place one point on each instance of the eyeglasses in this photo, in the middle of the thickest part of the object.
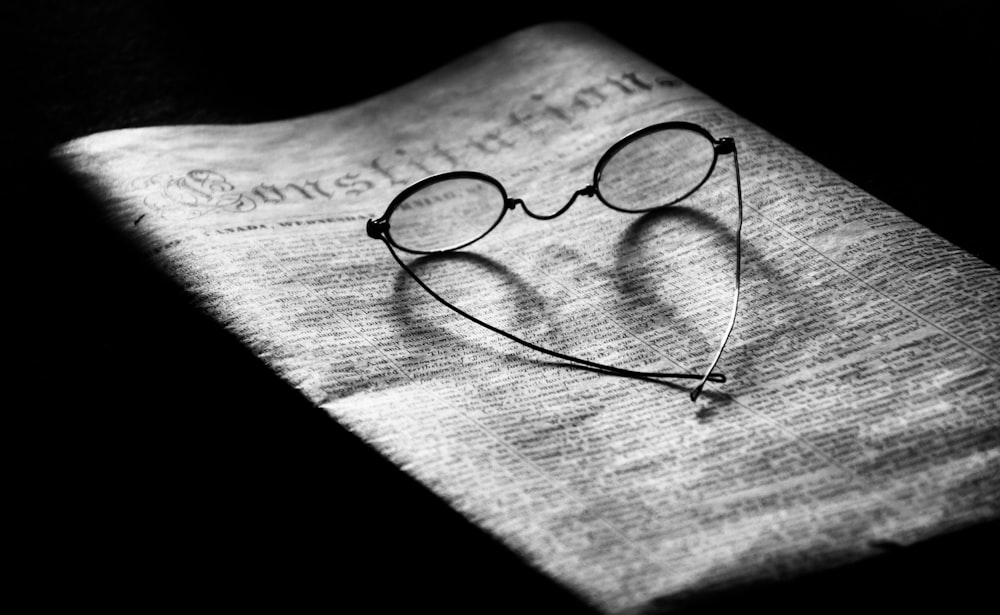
(647, 170)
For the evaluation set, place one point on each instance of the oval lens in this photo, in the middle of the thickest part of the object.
(656, 169)
(445, 215)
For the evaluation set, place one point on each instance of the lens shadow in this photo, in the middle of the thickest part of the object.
(641, 286)
(633, 254)
(529, 307)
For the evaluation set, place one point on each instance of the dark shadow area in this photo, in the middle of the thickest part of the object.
(156, 462)
(162, 463)
(949, 573)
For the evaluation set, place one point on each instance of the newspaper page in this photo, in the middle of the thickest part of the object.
(863, 374)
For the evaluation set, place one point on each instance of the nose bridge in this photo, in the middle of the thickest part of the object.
(586, 191)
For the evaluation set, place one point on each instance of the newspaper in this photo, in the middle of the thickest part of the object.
(863, 374)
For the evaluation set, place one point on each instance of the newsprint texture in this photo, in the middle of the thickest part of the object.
(863, 374)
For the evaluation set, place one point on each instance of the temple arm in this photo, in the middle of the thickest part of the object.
(696, 391)
(718, 377)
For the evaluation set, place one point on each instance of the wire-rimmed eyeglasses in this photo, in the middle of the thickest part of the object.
(647, 170)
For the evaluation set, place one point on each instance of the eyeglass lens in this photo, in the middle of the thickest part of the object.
(446, 215)
(656, 169)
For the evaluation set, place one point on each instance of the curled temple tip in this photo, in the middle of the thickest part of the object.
(713, 377)
(695, 392)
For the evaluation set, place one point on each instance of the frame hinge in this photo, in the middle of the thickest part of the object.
(377, 228)
(725, 145)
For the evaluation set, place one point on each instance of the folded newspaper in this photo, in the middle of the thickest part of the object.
(862, 377)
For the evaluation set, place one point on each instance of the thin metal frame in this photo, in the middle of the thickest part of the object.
(379, 228)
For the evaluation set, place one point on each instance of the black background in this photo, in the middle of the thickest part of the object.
(157, 462)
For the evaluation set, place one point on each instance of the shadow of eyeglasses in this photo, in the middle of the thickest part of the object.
(529, 306)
